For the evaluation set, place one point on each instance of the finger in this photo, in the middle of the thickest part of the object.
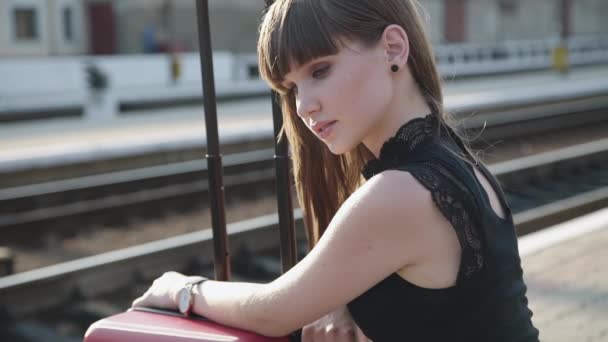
(137, 302)
(140, 300)
(340, 337)
(307, 335)
(319, 335)
(332, 333)
(360, 336)
(344, 334)
(147, 292)
(146, 299)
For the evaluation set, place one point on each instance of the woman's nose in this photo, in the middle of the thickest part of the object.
(307, 105)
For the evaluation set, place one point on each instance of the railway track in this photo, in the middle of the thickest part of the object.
(541, 189)
(65, 206)
(135, 191)
(556, 186)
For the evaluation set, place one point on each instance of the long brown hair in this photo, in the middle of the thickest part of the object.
(294, 32)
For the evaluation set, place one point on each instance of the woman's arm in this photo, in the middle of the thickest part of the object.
(381, 228)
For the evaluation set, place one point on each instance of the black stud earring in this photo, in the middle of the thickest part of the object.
(394, 68)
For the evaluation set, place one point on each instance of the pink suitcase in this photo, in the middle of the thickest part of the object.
(152, 325)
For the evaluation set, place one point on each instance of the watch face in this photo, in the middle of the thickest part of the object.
(183, 298)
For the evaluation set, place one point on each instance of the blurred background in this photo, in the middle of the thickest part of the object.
(95, 27)
(103, 177)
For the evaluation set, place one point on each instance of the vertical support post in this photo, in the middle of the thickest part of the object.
(455, 20)
(565, 10)
(287, 228)
(214, 158)
(560, 53)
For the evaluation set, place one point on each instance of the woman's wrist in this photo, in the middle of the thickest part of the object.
(179, 285)
(186, 296)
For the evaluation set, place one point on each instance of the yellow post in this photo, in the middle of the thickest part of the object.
(560, 53)
(560, 59)
(176, 67)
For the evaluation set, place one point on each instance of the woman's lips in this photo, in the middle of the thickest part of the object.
(325, 130)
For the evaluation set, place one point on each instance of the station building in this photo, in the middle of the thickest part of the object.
(68, 27)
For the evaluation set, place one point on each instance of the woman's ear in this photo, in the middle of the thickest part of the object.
(396, 46)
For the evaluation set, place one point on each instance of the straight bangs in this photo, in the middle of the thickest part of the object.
(293, 33)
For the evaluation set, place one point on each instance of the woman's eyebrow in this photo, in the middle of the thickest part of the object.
(306, 68)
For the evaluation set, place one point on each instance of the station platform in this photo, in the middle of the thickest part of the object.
(567, 276)
(46, 143)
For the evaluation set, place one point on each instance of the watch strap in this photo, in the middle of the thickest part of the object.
(194, 282)
(190, 286)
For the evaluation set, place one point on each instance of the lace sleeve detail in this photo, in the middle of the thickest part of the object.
(456, 202)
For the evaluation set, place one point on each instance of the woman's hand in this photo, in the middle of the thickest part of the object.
(163, 292)
(337, 326)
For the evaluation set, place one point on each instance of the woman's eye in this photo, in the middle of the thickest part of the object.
(320, 72)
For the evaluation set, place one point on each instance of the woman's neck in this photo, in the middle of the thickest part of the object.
(408, 103)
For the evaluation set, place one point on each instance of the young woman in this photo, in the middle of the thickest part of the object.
(412, 237)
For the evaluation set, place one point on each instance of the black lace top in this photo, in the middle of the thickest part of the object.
(488, 302)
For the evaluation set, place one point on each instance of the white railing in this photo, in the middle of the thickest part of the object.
(479, 59)
(42, 84)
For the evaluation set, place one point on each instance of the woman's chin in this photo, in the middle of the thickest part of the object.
(338, 149)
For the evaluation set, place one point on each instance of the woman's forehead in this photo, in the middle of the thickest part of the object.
(295, 68)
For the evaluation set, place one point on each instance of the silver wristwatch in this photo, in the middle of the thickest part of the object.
(185, 296)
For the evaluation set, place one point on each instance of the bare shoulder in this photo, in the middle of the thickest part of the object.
(395, 191)
(398, 211)
(393, 188)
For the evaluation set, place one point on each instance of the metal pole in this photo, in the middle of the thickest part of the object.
(566, 8)
(287, 228)
(214, 158)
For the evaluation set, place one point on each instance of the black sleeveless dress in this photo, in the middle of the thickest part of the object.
(488, 302)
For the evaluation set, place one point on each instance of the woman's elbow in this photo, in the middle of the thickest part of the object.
(276, 324)
(275, 327)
